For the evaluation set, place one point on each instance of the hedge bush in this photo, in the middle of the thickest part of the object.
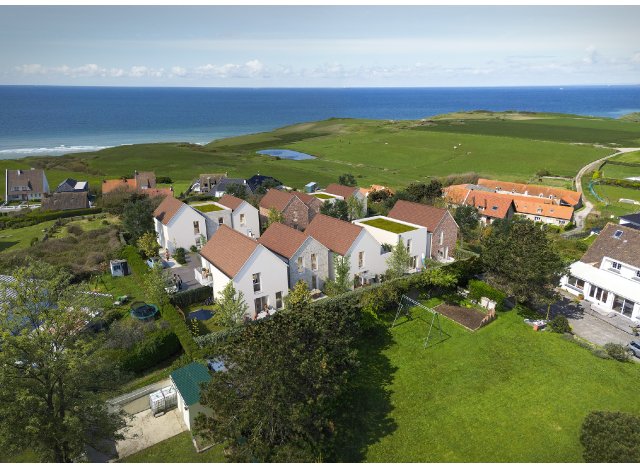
(560, 324)
(617, 352)
(37, 216)
(180, 255)
(611, 437)
(156, 347)
(620, 182)
(192, 296)
(180, 328)
(478, 289)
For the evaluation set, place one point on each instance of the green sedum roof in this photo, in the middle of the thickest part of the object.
(188, 379)
(389, 225)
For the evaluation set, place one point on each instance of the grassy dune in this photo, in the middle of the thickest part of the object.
(511, 146)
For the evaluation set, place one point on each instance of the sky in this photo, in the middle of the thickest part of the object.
(319, 46)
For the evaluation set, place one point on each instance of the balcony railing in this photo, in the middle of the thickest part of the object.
(203, 276)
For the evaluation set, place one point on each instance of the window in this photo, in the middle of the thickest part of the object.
(300, 264)
(314, 262)
(575, 283)
(409, 246)
(539, 210)
(361, 259)
(638, 274)
(615, 266)
(220, 221)
(623, 306)
(278, 300)
(441, 237)
(261, 304)
(314, 282)
(537, 218)
(618, 234)
(196, 227)
(242, 220)
(256, 283)
(414, 262)
(599, 294)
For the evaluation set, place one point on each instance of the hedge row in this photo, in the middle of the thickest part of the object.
(479, 289)
(156, 347)
(180, 328)
(614, 162)
(192, 296)
(36, 217)
(620, 182)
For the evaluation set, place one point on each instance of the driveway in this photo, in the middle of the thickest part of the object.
(186, 271)
(146, 430)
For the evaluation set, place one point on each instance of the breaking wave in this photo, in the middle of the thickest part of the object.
(59, 150)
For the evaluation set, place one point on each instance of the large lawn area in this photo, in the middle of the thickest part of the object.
(178, 449)
(502, 394)
(17, 238)
(613, 194)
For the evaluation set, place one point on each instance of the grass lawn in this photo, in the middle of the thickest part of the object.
(178, 449)
(501, 394)
(87, 225)
(388, 225)
(631, 157)
(612, 194)
(17, 238)
(323, 196)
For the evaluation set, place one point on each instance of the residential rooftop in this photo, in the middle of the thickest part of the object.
(387, 225)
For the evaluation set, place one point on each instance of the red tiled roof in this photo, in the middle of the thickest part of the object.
(536, 206)
(335, 234)
(345, 191)
(490, 204)
(456, 194)
(282, 239)
(419, 214)
(112, 185)
(230, 201)
(570, 197)
(228, 250)
(306, 198)
(275, 199)
(168, 208)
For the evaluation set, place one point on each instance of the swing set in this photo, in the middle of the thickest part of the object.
(404, 309)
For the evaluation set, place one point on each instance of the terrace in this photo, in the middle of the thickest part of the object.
(388, 225)
(323, 196)
(210, 207)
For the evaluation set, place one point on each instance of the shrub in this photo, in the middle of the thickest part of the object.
(560, 324)
(179, 326)
(156, 347)
(180, 255)
(163, 180)
(193, 249)
(617, 352)
(479, 289)
(192, 296)
(611, 437)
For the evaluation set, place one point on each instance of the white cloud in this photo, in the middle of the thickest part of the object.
(636, 58)
(591, 56)
(178, 71)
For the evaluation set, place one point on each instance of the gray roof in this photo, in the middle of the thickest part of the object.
(31, 179)
(624, 248)
(631, 218)
(225, 182)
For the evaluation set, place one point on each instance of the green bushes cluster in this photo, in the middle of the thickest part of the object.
(180, 328)
(560, 324)
(479, 289)
(611, 437)
(155, 348)
(620, 182)
(617, 352)
(37, 216)
(192, 296)
(180, 255)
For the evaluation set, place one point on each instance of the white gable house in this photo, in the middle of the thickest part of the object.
(179, 225)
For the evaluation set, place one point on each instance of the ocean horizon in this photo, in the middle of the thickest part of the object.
(56, 120)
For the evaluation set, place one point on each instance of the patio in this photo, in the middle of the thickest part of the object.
(186, 271)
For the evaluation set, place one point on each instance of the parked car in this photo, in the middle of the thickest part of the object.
(634, 347)
(156, 260)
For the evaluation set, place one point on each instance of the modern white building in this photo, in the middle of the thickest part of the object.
(232, 212)
(351, 241)
(253, 269)
(179, 225)
(608, 275)
(388, 232)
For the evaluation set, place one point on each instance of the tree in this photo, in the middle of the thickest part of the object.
(148, 244)
(137, 217)
(266, 185)
(299, 297)
(347, 179)
(468, 219)
(231, 307)
(379, 195)
(342, 282)
(238, 190)
(286, 380)
(53, 382)
(520, 259)
(355, 208)
(337, 209)
(611, 437)
(154, 283)
(274, 216)
(399, 261)
(422, 192)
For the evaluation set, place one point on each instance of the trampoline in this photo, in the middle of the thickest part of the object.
(201, 314)
(143, 311)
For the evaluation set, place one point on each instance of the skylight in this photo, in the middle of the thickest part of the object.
(618, 234)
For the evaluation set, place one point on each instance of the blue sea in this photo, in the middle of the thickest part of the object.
(42, 120)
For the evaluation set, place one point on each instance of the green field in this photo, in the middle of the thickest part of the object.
(612, 194)
(17, 238)
(393, 153)
(502, 394)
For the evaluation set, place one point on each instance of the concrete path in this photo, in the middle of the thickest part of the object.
(581, 215)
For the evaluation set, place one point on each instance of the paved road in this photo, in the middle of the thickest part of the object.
(581, 216)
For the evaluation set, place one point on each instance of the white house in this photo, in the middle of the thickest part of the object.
(388, 232)
(232, 212)
(179, 225)
(608, 275)
(306, 258)
(352, 241)
(255, 271)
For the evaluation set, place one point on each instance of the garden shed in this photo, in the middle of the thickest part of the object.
(187, 381)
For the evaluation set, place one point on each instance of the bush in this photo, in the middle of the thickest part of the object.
(193, 296)
(560, 324)
(163, 180)
(35, 217)
(193, 249)
(156, 347)
(180, 255)
(479, 289)
(617, 352)
(179, 326)
(611, 437)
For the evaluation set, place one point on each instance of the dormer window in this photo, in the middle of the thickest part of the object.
(495, 208)
(618, 234)
(616, 266)
(539, 210)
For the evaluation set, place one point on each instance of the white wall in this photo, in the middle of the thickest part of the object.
(374, 262)
(252, 220)
(179, 231)
(213, 220)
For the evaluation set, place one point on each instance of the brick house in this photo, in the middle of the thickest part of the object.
(442, 229)
(298, 209)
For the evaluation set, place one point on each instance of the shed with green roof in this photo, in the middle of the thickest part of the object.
(188, 381)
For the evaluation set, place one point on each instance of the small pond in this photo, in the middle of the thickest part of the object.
(286, 154)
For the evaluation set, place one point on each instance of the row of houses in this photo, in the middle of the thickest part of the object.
(502, 200)
(264, 266)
